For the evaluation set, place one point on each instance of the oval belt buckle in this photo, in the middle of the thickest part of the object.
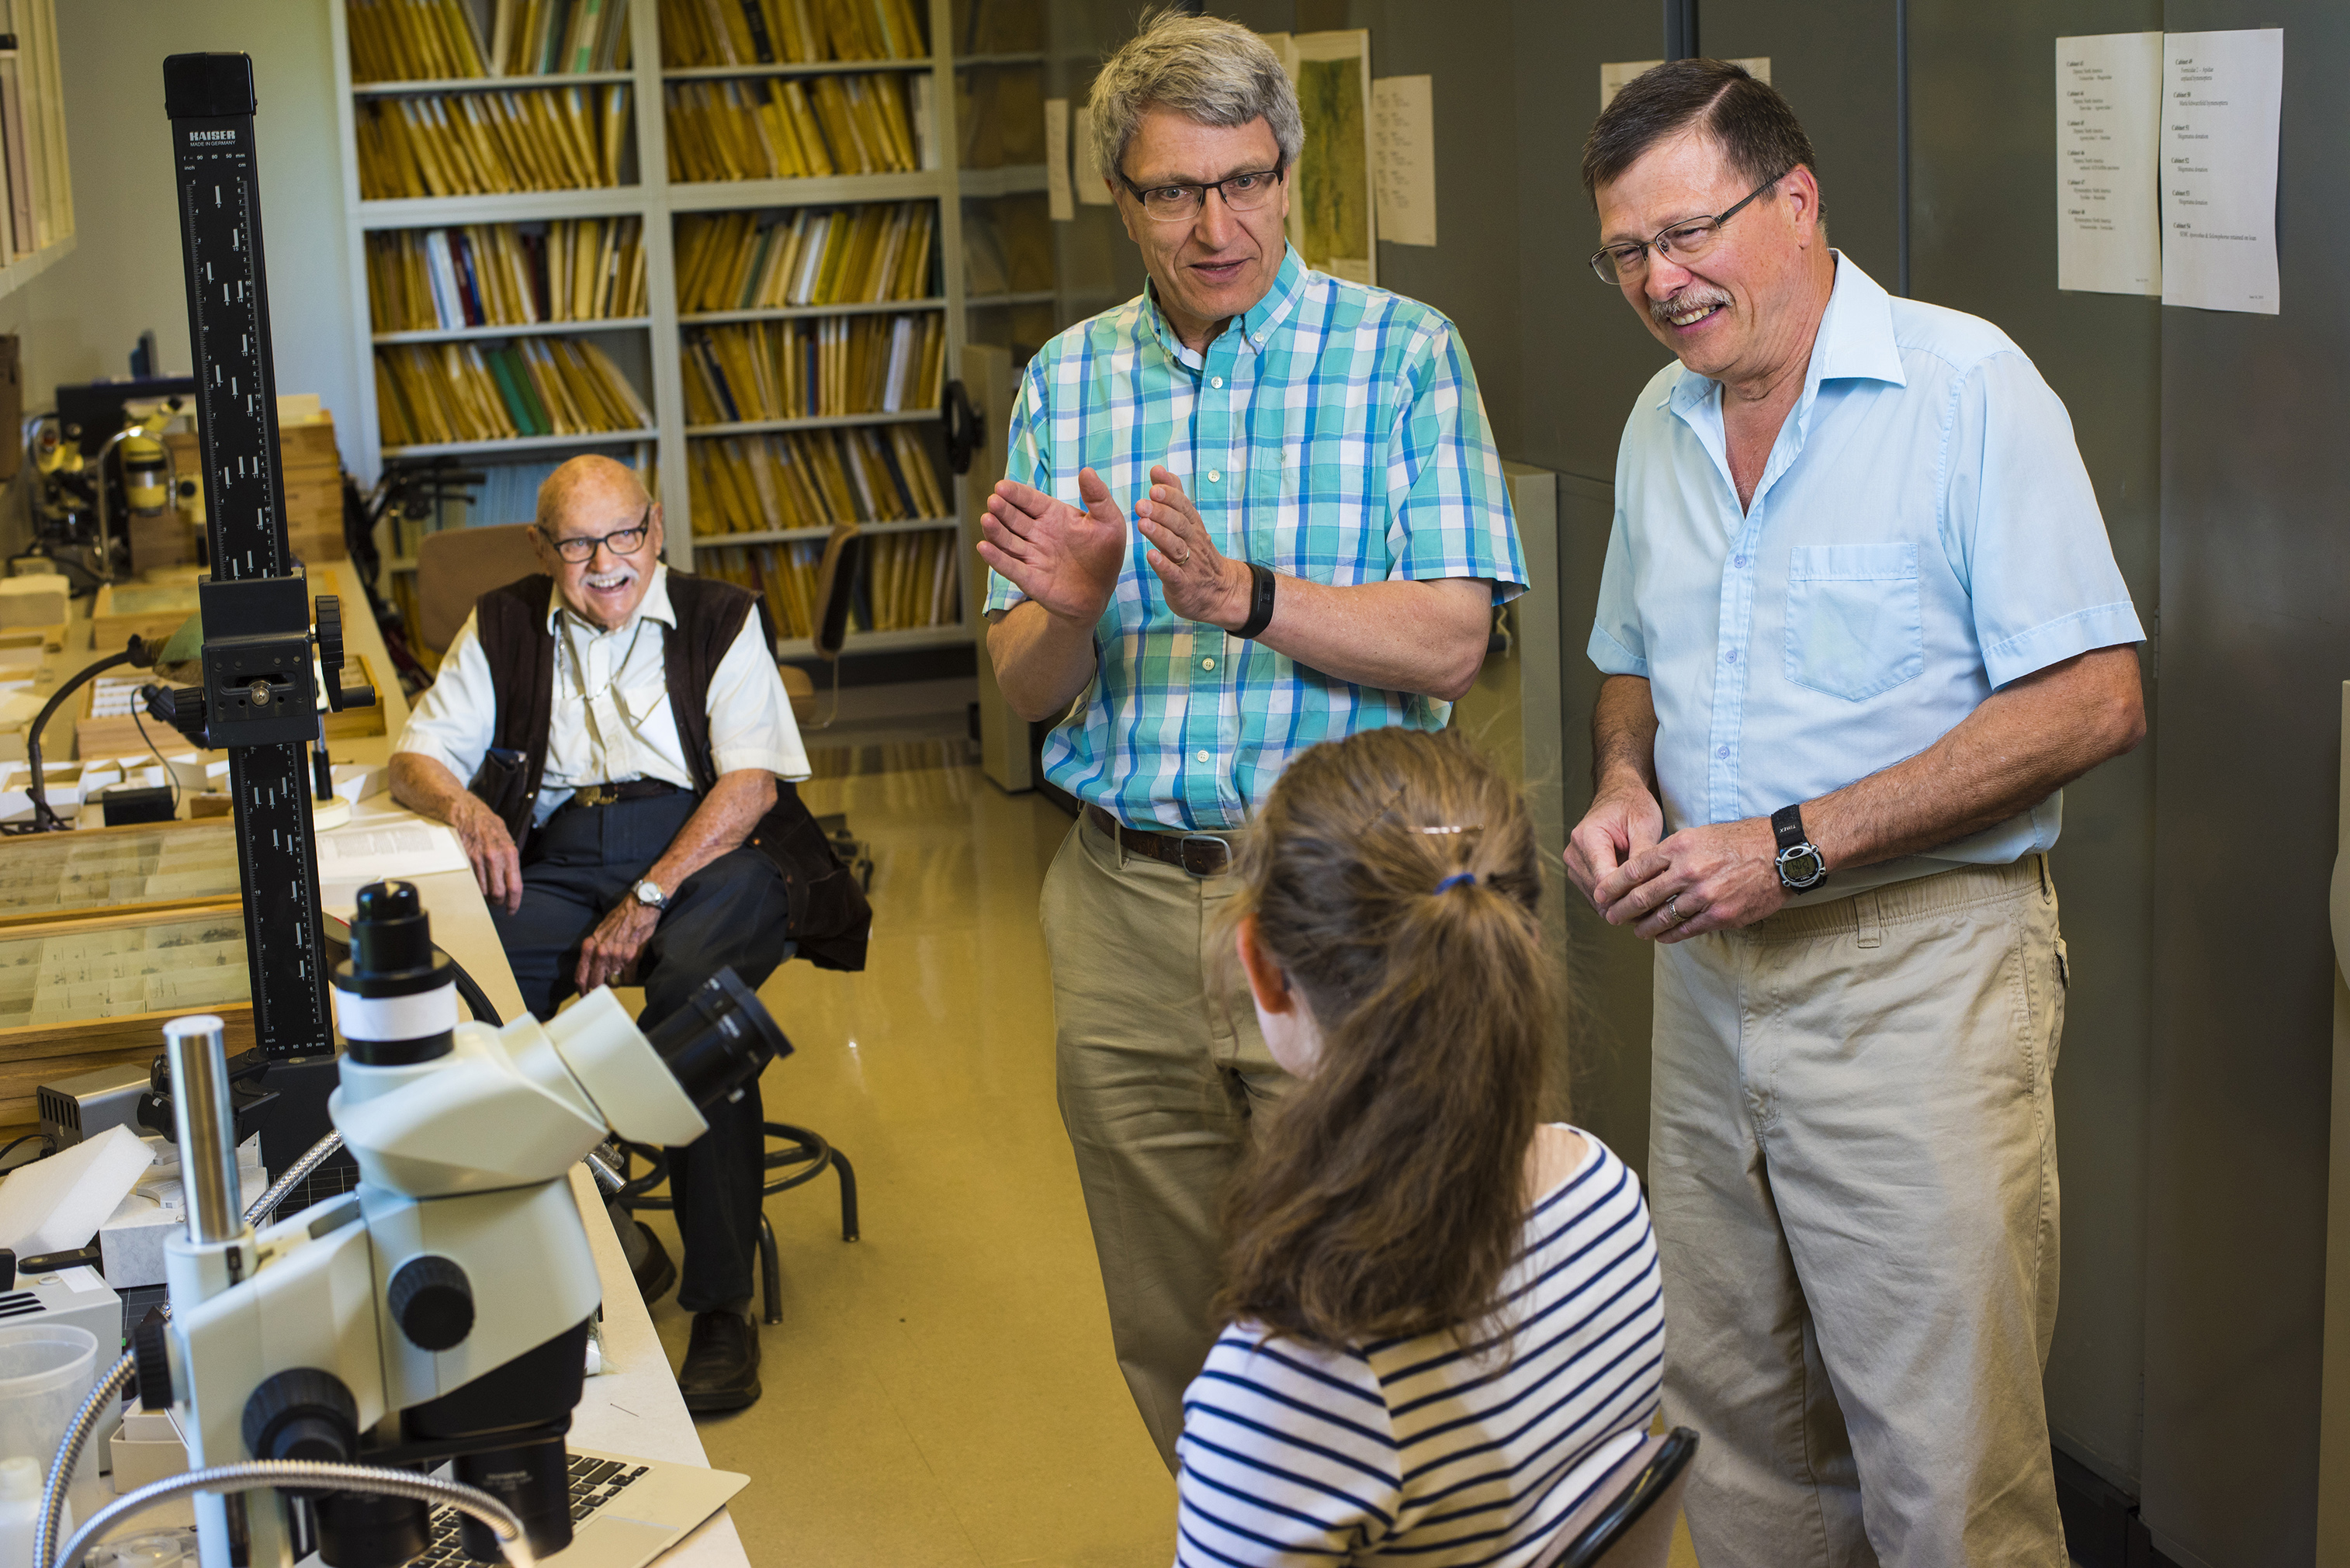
(1211, 849)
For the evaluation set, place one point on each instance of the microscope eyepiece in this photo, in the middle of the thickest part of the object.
(395, 996)
(718, 1041)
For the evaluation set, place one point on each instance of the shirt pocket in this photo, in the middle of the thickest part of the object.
(1855, 622)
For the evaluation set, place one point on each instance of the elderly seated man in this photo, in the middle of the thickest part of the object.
(644, 714)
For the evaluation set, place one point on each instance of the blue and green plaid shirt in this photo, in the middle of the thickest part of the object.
(1333, 432)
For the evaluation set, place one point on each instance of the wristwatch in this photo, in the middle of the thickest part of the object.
(1261, 584)
(1802, 868)
(649, 893)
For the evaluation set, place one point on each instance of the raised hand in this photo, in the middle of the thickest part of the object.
(1200, 583)
(1065, 559)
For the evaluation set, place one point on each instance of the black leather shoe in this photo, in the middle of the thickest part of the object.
(722, 1363)
(654, 1272)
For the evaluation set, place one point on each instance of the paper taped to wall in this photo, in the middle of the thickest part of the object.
(2222, 93)
(2108, 137)
(1403, 155)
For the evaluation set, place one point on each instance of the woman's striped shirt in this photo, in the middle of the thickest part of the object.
(1426, 1451)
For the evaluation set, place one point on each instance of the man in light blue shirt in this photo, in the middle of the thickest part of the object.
(1860, 623)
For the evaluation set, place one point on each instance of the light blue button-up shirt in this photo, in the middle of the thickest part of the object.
(1923, 533)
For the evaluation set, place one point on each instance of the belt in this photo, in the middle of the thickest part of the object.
(613, 794)
(1200, 854)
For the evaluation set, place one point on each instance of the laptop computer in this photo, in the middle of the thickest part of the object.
(624, 1513)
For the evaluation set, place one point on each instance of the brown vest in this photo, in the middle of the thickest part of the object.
(829, 918)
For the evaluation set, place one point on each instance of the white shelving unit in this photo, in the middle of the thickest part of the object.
(658, 201)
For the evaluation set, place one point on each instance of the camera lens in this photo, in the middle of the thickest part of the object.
(368, 1530)
(719, 1040)
(532, 1479)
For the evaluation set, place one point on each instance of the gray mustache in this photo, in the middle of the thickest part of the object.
(1687, 300)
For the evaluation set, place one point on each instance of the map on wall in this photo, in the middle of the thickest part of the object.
(1331, 218)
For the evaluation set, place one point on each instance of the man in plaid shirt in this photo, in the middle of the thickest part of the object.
(1323, 536)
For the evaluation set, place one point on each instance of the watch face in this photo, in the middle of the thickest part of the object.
(1801, 866)
(649, 893)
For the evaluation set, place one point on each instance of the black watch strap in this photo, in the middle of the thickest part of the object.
(1787, 824)
(1260, 603)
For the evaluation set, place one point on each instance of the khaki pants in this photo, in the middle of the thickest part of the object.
(1158, 1084)
(1853, 1174)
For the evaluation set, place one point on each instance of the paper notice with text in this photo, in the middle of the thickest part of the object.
(1403, 158)
(2108, 139)
(2220, 97)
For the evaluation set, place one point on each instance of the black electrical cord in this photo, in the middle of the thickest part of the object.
(10, 1146)
(44, 819)
(476, 999)
(171, 775)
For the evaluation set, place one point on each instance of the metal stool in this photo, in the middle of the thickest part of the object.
(803, 1156)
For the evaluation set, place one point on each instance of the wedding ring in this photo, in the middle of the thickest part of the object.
(1672, 909)
(1184, 559)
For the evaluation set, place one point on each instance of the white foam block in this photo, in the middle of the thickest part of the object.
(56, 1204)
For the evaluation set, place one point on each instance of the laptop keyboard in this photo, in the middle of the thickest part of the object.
(594, 1483)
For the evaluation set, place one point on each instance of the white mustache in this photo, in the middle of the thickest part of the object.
(617, 578)
(1687, 300)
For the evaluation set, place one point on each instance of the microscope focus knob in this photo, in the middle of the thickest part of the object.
(433, 1302)
(302, 1413)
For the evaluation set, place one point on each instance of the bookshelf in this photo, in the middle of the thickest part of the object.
(36, 216)
(848, 461)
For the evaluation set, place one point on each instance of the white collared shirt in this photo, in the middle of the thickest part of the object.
(611, 720)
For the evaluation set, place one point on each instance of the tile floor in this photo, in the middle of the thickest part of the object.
(942, 1393)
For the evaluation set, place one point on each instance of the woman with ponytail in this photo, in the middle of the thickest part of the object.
(1445, 1324)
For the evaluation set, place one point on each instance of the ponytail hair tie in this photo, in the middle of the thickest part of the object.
(1457, 879)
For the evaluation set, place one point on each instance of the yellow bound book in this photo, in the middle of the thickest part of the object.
(807, 510)
(701, 404)
(702, 506)
(392, 425)
(720, 36)
(824, 156)
(637, 416)
(797, 39)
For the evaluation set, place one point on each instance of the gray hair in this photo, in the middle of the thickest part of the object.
(1210, 71)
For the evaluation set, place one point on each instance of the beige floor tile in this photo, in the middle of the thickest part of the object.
(942, 1391)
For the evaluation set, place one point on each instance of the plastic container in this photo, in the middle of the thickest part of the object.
(20, 1510)
(151, 1552)
(45, 1371)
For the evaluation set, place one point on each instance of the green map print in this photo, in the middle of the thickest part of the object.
(1333, 177)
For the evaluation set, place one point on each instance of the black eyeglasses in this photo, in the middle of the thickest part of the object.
(1172, 203)
(620, 542)
(1684, 241)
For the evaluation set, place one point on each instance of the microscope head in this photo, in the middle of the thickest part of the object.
(429, 1105)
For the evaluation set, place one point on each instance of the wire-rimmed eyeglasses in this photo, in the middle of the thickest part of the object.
(1684, 241)
(1175, 202)
(620, 541)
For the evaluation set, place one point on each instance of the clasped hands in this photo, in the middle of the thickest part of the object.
(1715, 877)
(1067, 559)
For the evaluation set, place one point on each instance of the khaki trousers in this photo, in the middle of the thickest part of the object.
(1158, 1082)
(1852, 1175)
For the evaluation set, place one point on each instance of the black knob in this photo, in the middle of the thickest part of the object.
(433, 1302)
(302, 1413)
(150, 1349)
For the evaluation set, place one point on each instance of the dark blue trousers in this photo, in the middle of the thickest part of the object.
(575, 869)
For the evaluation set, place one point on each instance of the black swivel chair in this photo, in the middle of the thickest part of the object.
(1633, 1526)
